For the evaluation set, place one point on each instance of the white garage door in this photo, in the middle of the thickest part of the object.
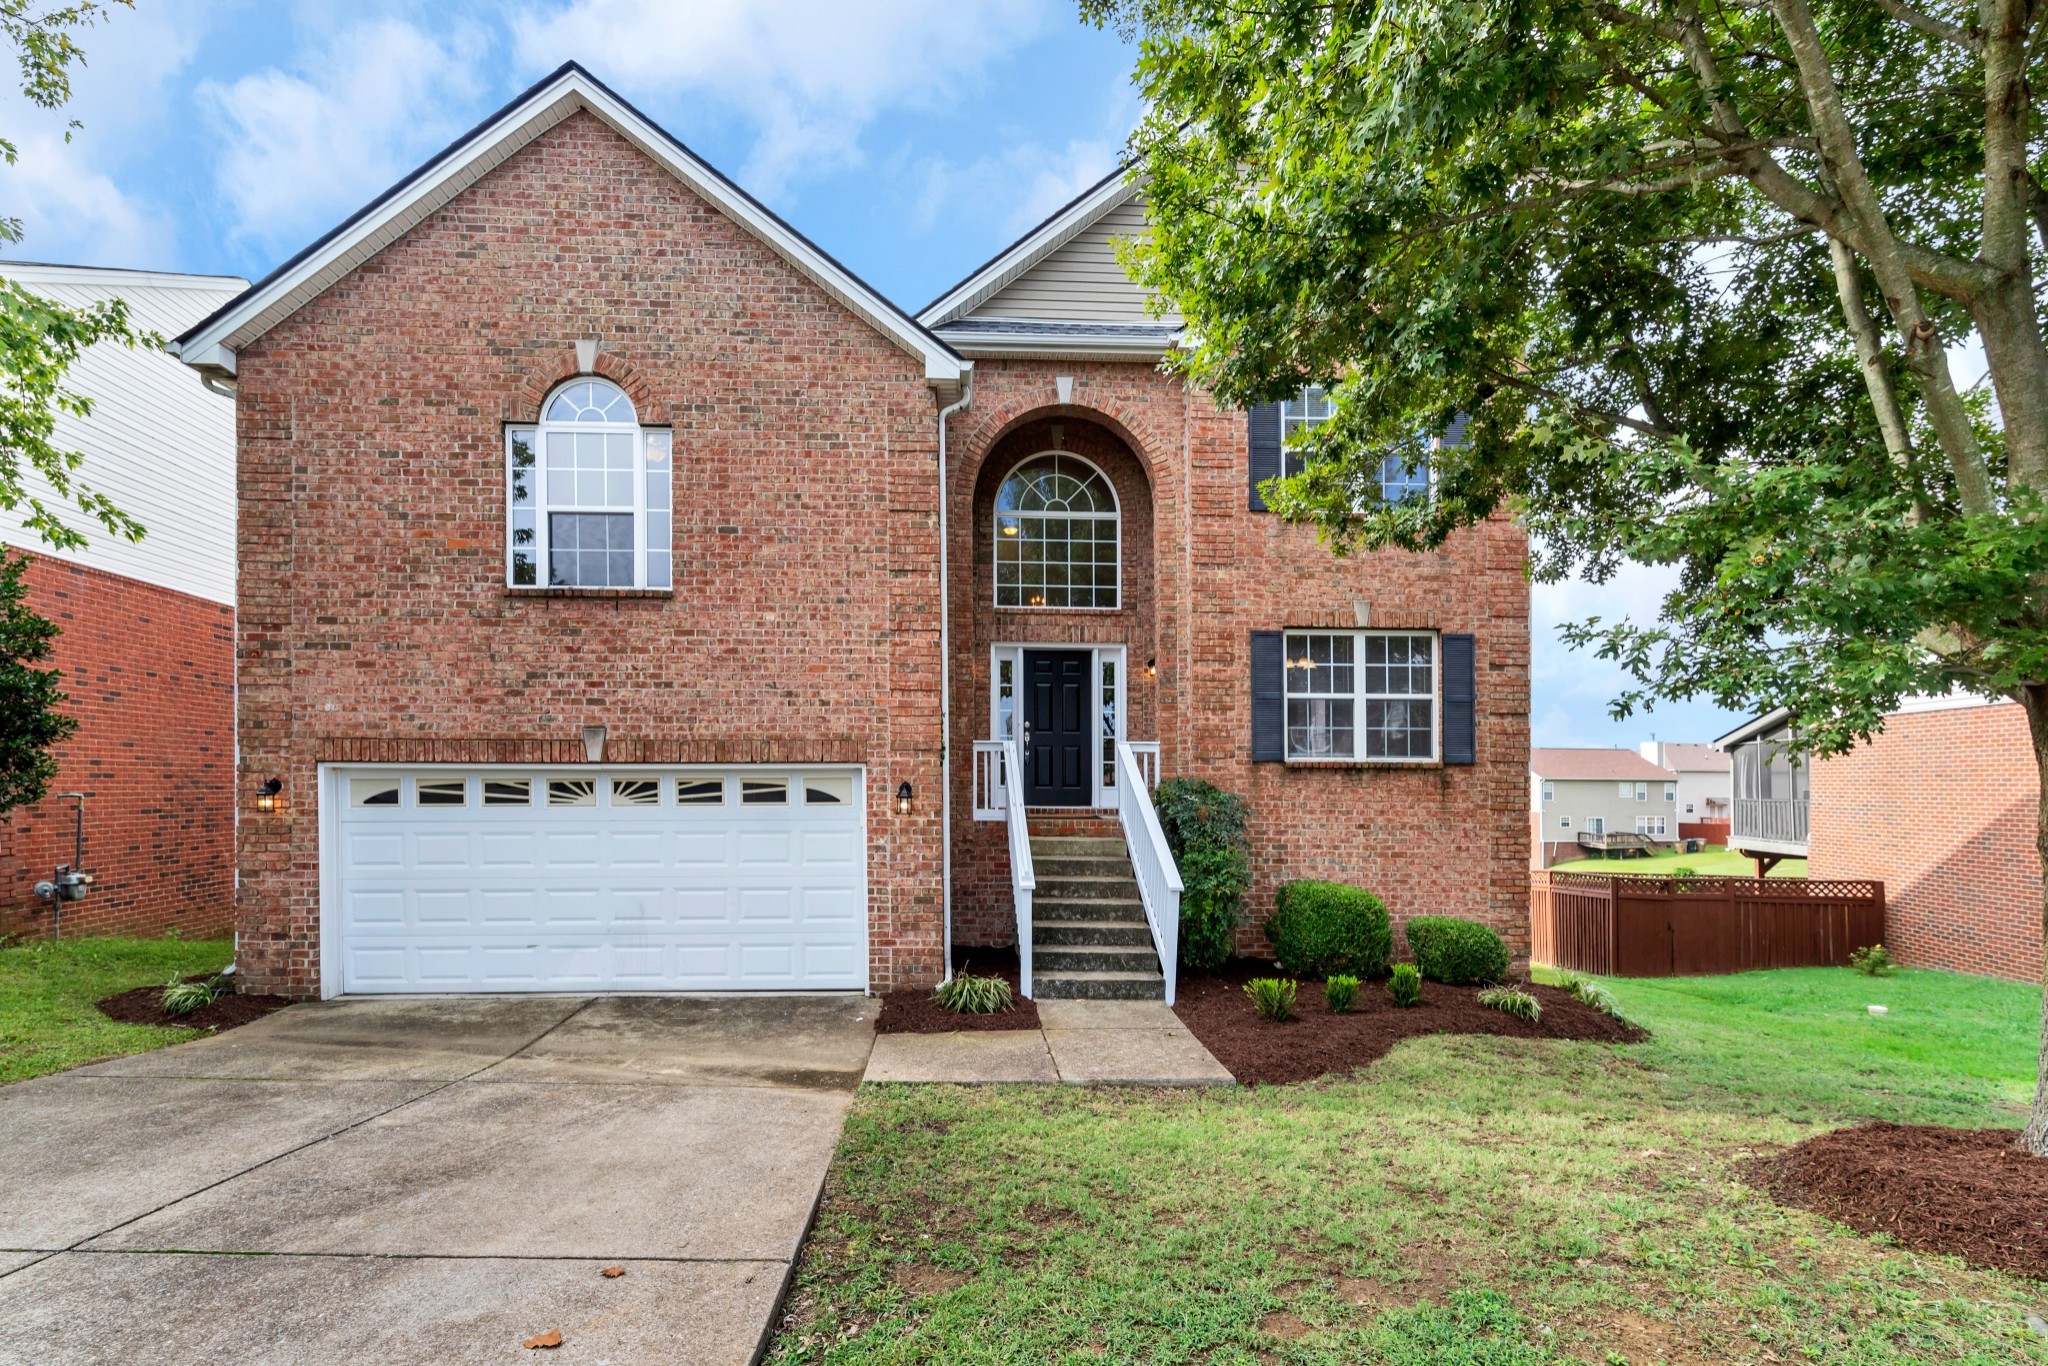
(598, 879)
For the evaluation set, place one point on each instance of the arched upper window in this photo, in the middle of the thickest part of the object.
(1056, 535)
(588, 494)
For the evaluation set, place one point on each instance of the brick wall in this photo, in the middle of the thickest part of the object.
(804, 615)
(1942, 808)
(149, 675)
(1430, 839)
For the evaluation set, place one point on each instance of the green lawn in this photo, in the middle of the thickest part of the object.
(47, 990)
(1714, 862)
(1462, 1200)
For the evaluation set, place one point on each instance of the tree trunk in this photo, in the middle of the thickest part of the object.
(2034, 1138)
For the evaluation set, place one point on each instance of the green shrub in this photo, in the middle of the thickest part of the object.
(1339, 992)
(1272, 997)
(1325, 927)
(1405, 986)
(1456, 951)
(1514, 1001)
(1685, 872)
(1205, 831)
(971, 995)
(1598, 997)
(1873, 961)
(183, 998)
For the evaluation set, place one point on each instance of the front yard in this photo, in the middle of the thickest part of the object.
(48, 1021)
(1464, 1199)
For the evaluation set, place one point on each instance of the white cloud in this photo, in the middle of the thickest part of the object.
(1570, 689)
(1025, 184)
(299, 150)
(71, 209)
(809, 74)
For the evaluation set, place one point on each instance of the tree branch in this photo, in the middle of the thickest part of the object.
(1931, 26)
(1585, 410)
(1877, 379)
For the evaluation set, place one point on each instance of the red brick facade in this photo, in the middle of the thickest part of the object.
(1941, 807)
(804, 623)
(1434, 838)
(149, 675)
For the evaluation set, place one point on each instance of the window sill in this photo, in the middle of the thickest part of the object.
(1365, 763)
(512, 591)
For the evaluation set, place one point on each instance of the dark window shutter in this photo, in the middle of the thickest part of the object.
(1269, 705)
(1262, 444)
(1461, 697)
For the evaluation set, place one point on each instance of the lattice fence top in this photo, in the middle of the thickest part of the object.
(1787, 888)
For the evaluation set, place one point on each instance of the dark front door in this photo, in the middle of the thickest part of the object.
(1059, 731)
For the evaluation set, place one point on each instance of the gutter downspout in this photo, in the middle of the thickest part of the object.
(946, 687)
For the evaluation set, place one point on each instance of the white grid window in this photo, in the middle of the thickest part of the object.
(1549, 790)
(1650, 825)
(1671, 792)
(588, 494)
(1361, 695)
(1106, 686)
(1056, 535)
(1304, 412)
(1399, 480)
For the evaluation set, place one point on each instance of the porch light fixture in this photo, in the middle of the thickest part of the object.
(1151, 668)
(903, 798)
(593, 744)
(268, 794)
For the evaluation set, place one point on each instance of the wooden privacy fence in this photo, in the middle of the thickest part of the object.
(1622, 926)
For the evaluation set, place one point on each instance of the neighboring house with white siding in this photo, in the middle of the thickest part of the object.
(1705, 786)
(147, 649)
(1579, 799)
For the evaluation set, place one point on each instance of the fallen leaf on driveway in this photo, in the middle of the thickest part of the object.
(612, 1273)
(551, 1338)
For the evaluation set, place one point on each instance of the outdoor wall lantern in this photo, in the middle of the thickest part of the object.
(903, 798)
(1151, 668)
(269, 794)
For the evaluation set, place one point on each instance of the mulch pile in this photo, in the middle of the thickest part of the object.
(915, 1012)
(1972, 1193)
(1317, 1043)
(145, 1005)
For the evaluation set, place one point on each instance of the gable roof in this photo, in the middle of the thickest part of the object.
(1695, 759)
(1568, 764)
(212, 342)
(948, 315)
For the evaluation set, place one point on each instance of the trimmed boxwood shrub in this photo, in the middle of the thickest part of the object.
(1205, 830)
(1323, 927)
(1456, 951)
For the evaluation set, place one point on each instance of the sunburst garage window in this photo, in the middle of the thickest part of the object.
(1056, 535)
(588, 494)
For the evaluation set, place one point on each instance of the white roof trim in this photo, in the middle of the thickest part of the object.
(1754, 727)
(1027, 251)
(213, 342)
(1052, 346)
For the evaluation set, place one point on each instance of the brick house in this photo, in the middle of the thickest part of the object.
(147, 642)
(632, 598)
(1943, 805)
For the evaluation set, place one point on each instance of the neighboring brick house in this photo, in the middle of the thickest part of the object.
(1584, 803)
(1943, 806)
(147, 643)
(613, 559)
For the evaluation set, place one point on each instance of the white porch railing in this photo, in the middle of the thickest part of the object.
(990, 784)
(1159, 884)
(1023, 881)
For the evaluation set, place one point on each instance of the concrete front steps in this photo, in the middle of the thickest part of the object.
(1089, 940)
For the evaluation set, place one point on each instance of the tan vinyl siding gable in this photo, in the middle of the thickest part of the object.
(1081, 281)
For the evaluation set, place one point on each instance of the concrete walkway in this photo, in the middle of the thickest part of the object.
(435, 1179)
(1083, 1043)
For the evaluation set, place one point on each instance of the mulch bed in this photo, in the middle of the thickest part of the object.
(1317, 1042)
(1972, 1193)
(915, 1012)
(145, 1005)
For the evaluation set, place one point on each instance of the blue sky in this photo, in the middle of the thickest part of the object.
(911, 138)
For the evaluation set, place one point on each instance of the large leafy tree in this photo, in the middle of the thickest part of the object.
(39, 340)
(1697, 270)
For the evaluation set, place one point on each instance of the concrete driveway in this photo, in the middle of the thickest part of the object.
(430, 1179)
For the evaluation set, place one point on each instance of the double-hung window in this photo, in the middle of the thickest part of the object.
(1304, 412)
(1361, 695)
(588, 494)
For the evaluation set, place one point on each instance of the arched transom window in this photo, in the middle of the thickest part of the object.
(587, 494)
(1056, 535)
